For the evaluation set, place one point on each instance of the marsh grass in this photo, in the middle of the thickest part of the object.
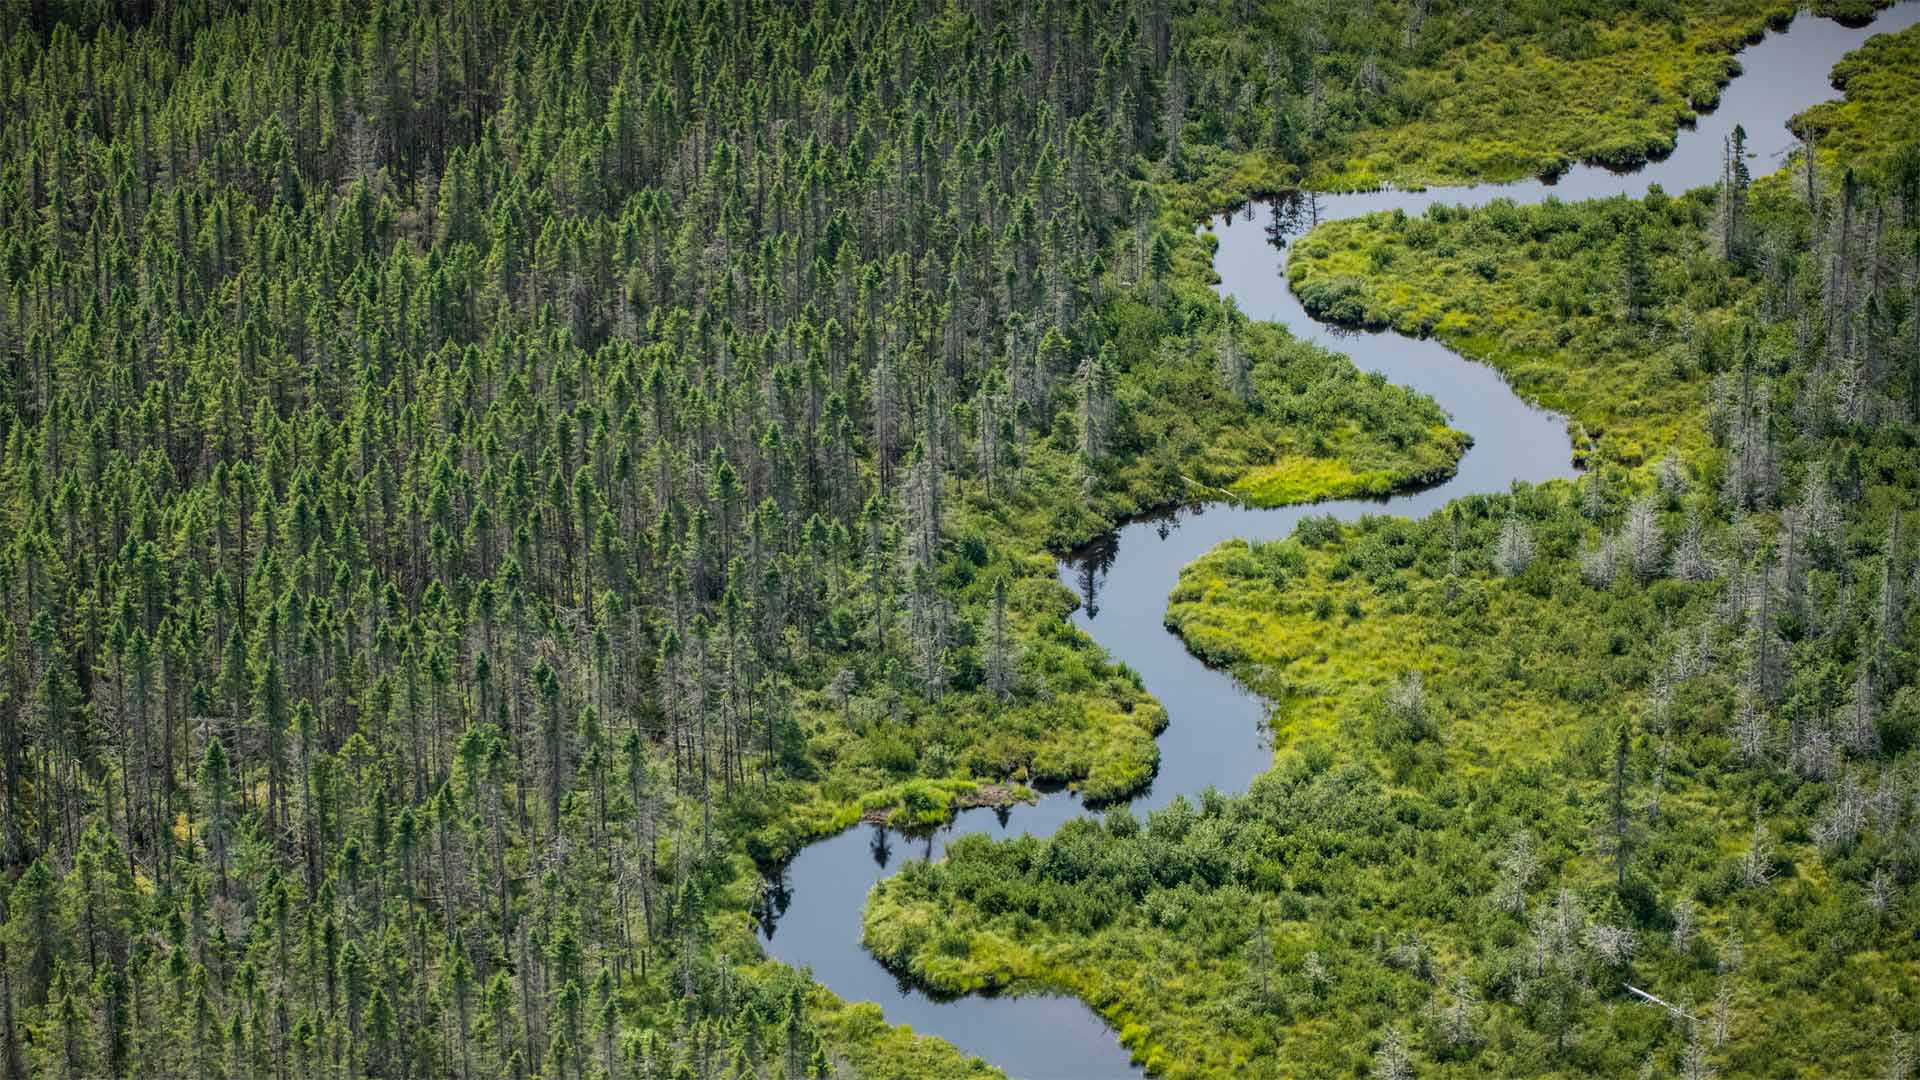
(1612, 93)
(1355, 885)
(1535, 292)
(1877, 118)
(1369, 830)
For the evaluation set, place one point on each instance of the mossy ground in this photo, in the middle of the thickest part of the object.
(1390, 833)
(1533, 104)
(1320, 643)
(1877, 118)
(1535, 292)
(1299, 478)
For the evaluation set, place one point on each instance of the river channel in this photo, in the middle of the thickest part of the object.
(1216, 736)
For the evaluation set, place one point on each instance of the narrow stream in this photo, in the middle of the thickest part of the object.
(1216, 736)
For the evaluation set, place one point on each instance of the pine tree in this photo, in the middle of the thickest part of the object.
(1231, 361)
(1620, 819)
(1513, 551)
(1095, 392)
(1260, 959)
(999, 651)
(216, 780)
(1636, 276)
(1730, 207)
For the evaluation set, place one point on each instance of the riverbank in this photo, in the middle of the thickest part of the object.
(1161, 969)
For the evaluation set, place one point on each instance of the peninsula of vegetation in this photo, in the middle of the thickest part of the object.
(1545, 753)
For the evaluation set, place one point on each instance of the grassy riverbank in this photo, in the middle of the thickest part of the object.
(1612, 91)
(1537, 292)
(1876, 120)
(1653, 730)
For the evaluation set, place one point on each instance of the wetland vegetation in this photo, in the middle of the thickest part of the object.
(481, 484)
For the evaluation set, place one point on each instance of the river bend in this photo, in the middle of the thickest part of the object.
(1216, 734)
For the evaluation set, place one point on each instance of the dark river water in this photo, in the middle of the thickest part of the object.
(1216, 735)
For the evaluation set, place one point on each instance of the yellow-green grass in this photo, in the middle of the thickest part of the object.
(1544, 312)
(1525, 679)
(1505, 109)
(1322, 647)
(879, 1051)
(1149, 998)
(1880, 112)
(1301, 478)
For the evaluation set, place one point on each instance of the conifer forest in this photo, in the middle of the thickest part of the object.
(897, 539)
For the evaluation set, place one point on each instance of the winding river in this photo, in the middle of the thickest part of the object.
(1216, 736)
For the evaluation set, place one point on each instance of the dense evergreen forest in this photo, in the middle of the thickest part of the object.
(482, 481)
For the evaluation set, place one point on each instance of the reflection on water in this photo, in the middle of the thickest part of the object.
(1292, 215)
(1091, 568)
(775, 895)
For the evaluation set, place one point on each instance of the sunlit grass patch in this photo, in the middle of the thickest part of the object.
(1532, 291)
(1507, 109)
(1880, 112)
(1305, 479)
